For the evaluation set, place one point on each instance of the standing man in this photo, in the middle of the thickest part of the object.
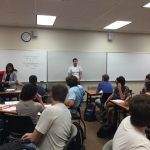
(75, 70)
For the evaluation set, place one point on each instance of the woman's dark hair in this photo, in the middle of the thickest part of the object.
(28, 92)
(105, 77)
(72, 81)
(121, 80)
(139, 108)
(9, 65)
(59, 92)
(33, 79)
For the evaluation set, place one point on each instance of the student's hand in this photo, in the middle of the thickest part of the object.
(26, 136)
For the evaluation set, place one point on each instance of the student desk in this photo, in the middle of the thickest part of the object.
(10, 107)
(90, 94)
(16, 92)
(121, 108)
(120, 104)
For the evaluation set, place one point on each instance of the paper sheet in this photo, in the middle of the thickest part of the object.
(118, 101)
(10, 108)
(11, 102)
(9, 90)
(48, 105)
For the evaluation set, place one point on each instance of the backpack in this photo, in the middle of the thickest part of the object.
(106, 130)
(77, 142)
(89, 114)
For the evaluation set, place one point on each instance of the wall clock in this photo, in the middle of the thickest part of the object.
(26, 36)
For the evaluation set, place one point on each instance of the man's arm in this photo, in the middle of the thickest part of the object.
(109, 98)
(80, 75)
(34, 137)
(69, 103)
(69, 72)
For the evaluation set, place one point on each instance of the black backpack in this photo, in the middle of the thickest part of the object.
(89, 114)
(77, 142)
(106, 130)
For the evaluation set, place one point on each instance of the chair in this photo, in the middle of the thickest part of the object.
(73, 134)
(16, 126)
(104, 97)
(108, 145)
(1, 75)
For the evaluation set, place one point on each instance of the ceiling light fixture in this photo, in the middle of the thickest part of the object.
(147, 5)
(45, 20)
(117, 25)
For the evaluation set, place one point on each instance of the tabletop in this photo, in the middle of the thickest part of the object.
(121, 104)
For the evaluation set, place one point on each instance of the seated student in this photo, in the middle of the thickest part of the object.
(54, 126)
(10, 76)
(147, 79)
(120, 92)
(130, 135)
(41, 91)
(105, 86)
(26, 106)
(147, 87)
(9, 80)
(75, 94)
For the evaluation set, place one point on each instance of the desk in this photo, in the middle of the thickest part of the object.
(11, 108)
(121, 104)
(16, 92)
(124, 110)
(91, 93)
(10, 92)
(8, 109)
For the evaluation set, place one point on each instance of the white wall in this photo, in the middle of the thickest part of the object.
(68, 40)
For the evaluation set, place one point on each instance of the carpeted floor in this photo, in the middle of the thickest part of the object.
(92, 142)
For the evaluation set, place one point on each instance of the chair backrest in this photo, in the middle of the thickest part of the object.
(18, 124)
(73, 134)
(105, 97)
(108, 145)
(1, 75)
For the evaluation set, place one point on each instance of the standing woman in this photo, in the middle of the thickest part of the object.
(10, 76)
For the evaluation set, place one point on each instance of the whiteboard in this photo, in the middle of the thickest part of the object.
(133, 66)
(26, 62)
(92, 63)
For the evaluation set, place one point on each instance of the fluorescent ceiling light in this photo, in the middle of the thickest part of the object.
(45, 20)
(147, 5)
(117, 24)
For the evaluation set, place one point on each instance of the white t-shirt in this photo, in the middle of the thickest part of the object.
(128, 137)
(55, 124)
(75, 71)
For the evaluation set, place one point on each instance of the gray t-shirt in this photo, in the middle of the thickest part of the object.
(29, 108)
(55, 124)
